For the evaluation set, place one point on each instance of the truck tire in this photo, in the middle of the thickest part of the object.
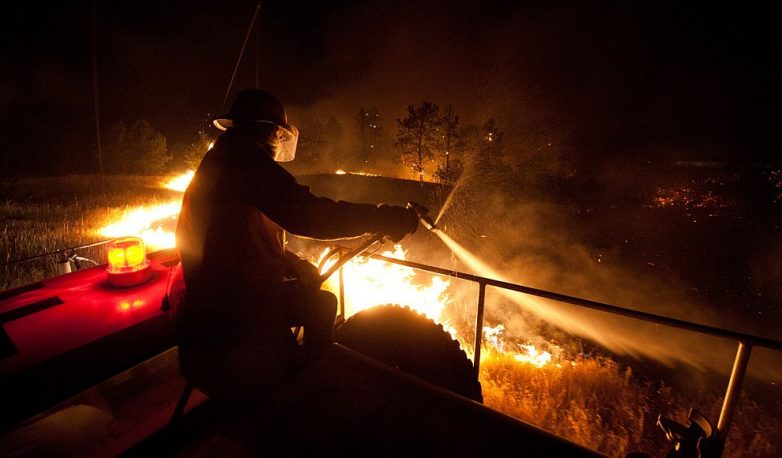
(408, 340)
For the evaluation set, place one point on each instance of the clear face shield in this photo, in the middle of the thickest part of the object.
(283, 144)
(285, 147)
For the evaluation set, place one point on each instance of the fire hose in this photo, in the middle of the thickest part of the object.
(69, 253)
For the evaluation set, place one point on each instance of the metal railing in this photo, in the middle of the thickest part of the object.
(745, 341)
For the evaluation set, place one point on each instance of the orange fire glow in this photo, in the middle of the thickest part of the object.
(366, 174)
(523, 353)
(153, 223)
(368, 282)
(180, 182)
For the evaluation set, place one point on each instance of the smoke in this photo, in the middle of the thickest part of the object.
(391, 55)
(569, 85)
(542, 243)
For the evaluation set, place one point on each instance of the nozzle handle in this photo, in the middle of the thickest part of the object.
(423, 215)
(371, 240)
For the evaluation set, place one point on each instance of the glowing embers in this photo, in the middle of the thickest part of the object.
(128, 265)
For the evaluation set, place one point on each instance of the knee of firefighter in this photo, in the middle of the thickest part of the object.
(326, 303)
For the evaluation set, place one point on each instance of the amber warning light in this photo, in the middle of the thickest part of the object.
(128, 265)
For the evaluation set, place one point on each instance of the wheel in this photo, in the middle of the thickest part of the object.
(408, 340)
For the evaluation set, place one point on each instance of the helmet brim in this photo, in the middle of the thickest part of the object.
(224, 123)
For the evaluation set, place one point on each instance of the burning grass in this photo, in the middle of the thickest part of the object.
(601, 405)
(592, 402)
(42, 215)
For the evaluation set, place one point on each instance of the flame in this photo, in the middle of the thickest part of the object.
(153, 223)
(365, 174)
(533, 356)
(180, 183)
(369, 282)
(524, 353)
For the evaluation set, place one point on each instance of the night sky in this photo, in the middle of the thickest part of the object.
(639, 81)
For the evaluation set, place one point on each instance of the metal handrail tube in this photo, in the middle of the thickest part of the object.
(732, 393)
(586, 303)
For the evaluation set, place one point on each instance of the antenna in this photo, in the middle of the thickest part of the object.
(241, 53)
(94, 43)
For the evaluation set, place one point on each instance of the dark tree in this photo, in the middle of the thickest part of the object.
(417, 136)
(490, 151)
(136, 149)
(492, 140)
(196, 150)
(448, 173)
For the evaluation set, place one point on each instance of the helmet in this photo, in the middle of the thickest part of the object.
(258, 106)
(254, 105)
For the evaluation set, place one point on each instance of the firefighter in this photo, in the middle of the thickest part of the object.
(234, 319)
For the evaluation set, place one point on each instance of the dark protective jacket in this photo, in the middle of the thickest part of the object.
(231, 242)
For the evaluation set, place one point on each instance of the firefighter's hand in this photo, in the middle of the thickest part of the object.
(306, 273)
(398, 221)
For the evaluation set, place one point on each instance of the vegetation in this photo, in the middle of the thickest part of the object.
(417, 136)
(194, 152)
(42, 215)
(137, 148)
(429, 142)
(603, 406)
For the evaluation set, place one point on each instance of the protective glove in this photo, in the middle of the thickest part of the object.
(397, 222)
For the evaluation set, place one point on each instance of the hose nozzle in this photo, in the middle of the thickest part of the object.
(423, 215)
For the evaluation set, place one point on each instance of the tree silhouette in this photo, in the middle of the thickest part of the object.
(490, 147)
(195, 151)
(417, 135)
(136, 149)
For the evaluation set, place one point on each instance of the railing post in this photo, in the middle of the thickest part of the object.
(341, 293)
(479, 326)
(732, 394)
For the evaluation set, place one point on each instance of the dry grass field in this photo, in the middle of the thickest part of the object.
(603, 406)
(43, 215)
